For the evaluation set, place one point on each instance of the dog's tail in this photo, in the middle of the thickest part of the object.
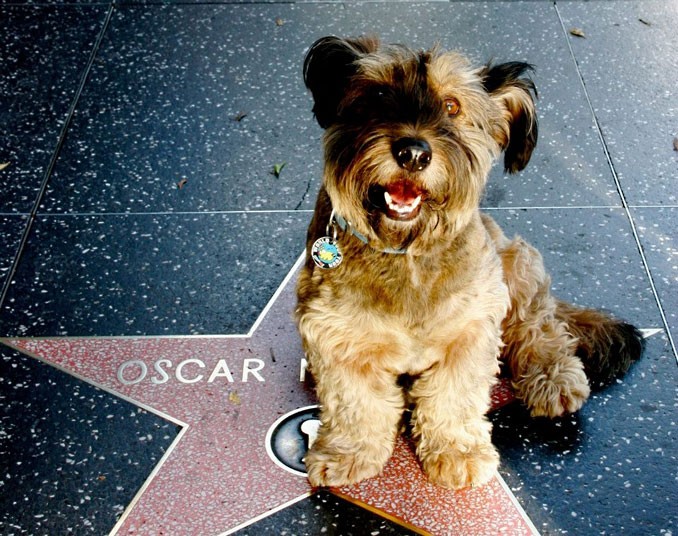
(606, 346)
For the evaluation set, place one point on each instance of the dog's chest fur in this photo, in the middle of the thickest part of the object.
(406, 310)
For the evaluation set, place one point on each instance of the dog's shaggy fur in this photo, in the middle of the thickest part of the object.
(431, 295)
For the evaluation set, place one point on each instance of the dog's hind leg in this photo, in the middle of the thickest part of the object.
(555, 351)
(539, 350)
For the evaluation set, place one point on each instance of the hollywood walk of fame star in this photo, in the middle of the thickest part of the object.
(225, 392)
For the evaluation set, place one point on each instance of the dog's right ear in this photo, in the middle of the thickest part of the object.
(328, 67)
(509, 85)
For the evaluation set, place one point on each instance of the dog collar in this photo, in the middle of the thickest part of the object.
(348, 228)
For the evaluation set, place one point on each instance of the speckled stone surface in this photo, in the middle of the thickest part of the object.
(44, 53)
(658, 230)
(324, 513)
(11, 231)
(72, 456)
(150, 274)
(160, 216)
(209, 96)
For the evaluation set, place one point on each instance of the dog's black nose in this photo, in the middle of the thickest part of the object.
(412, 154)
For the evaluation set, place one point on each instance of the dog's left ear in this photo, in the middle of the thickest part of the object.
(328, 67)
(509, 86)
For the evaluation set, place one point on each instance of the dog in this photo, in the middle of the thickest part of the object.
(410, 297)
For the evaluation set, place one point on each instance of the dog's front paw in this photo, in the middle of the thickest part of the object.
(562, 388)
(456, 469)
(330, 467)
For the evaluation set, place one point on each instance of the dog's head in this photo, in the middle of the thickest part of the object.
(411, 136)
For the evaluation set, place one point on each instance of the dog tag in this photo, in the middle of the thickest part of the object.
(325, 253)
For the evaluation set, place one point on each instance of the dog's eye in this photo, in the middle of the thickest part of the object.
(452, 106)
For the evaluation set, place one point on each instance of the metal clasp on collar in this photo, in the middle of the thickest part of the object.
(331, 229)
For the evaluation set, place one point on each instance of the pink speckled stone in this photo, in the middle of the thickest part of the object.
(217, 475)
(403, 492)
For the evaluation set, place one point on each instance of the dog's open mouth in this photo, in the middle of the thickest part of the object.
(399, 201)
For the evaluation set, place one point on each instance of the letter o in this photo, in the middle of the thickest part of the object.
(143, 370)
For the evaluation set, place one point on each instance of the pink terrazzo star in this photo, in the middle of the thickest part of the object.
(226, 392)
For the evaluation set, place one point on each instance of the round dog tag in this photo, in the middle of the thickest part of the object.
(325, 253)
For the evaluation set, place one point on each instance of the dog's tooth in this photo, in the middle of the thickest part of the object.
(404, 209)
(401, 209)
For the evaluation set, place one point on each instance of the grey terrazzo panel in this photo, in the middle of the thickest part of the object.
(150, 274)
(631, 73)
(44, 52)
(208, 96)
(72, 457)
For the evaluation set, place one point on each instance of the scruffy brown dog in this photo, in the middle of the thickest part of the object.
(410, 297)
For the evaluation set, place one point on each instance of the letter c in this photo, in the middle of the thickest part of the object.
(180, 368)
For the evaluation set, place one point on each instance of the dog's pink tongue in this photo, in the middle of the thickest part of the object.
(403, 192)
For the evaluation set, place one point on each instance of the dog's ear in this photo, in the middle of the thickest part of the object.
(328, 66)
(509, 85)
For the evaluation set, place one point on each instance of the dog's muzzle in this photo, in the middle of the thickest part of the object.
(402, 199)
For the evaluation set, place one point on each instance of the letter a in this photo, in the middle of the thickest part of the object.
(221, 371)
